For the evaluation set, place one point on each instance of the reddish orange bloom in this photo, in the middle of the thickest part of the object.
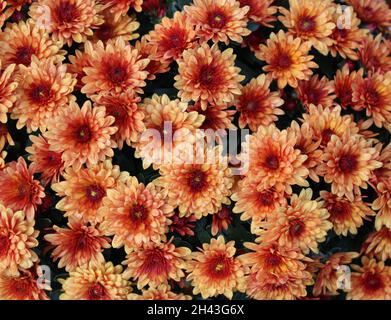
(378, 244)
(287, 59)
(44, 89)
(310, 20)
(67, 20)
(45, 161)
(261, 11)
(302, 224)
(373, 94)
(257, 104)
(83, 190)
(7, 91)
(115, 67)
(347, 164)
(218, 20)
(347, 36)
(19, 189)
(23, 287)
(172, 37)
(162, 292)
(327, 278)
(82, 135)
(309, 146)
(256, 204)
(103, 282)
(183, 225)
(374, 54)
(346, 216)
(221, 220)
(20, 41)
(17, 239)
(371, 281)
(135, 214)
(273, 160)
(128, 117)
(375, 12)
(155, 264)
(214, 270)
(208, 75)
(119, 8)
(77, 245)
(343, 82)
(316, 91)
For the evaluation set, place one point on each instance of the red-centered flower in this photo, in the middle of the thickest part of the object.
(183, 225)
(343, 82)
(374, 54)
(261, 11)
(316, 91)
(221, 220)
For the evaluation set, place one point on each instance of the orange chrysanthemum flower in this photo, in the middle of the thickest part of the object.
(154, 264)
(119, 8)
(135, 214)
(45, 161)
(196, 188)
(7, 91)
(162, 292)
(310, 20)
(221, 220)
(308, 146)
(316, 91)
(172, 36)
(17, 238)
(327, 278)
(160, 112)
(371, 281)
(261, 11)
(25, 286)
(343, 82)
(67, 20)
(115, 67)
(77, 246)
(19, 189)
(83, 190)
(124, 27)
(215, 270)
(374, 12)
(44, 89)
(103, 282)
(346, 216)
(208, 75)
(218, 20)
(273, 160)
(373, 94)
(82, 135)
(346, 37)
(256, 204)
(328, 121)
(374, 54)
(257, 104)
(378, 244)
(128, 117)
(287, 59)
(347, 164)
(302, 224)
(20, 41)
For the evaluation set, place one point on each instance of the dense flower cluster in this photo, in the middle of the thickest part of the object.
(104, 148)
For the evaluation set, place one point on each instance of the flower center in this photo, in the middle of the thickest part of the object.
(296, 228)
(96, 292)
(155, 263)
(138, 213)
(67, 12)
(23, 55)
(326, 135)
(4, 245)
(217, 19)
(197, 180)
(373, 282)
(343, 33)
(273, 260)
(372, 97)
(117, 74)
(272, 162)
(252, 106)
(83, 134)
(104, 32)
(284, 61)
(266, 199)
(176, 39)
(220, 266)
(347, 163)
(206, 75)
(307, 24)
(40, 93)
(339, 209)
(95, 193)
